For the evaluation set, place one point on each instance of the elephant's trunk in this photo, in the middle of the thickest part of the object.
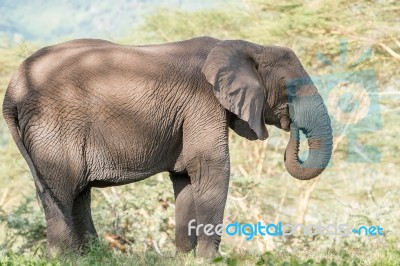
(309, 114)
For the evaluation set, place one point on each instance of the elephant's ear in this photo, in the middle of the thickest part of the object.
(231, 68)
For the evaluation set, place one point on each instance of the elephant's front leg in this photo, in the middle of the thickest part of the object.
(184, 212)
(210, 179)
(205, 155)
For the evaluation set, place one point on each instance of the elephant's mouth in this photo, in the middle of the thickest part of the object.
(283, 122)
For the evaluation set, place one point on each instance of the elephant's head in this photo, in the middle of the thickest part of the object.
(251, 82)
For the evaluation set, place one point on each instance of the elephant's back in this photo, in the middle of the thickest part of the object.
(51, 62)
(77, 61)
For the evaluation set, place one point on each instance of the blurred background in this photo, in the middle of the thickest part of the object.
(352, 51)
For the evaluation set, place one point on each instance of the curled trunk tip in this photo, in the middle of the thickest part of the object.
(320, 148)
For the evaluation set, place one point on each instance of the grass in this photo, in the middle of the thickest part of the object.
(100, 254)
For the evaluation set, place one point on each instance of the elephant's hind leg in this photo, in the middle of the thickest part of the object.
(82, 219)
(57, 205)
(184, 212)
(62, 176)
(68, 217)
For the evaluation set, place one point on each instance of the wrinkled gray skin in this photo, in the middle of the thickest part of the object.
(91, 113)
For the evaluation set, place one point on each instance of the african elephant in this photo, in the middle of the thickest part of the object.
(91, 113)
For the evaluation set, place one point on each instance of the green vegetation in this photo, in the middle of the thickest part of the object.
(141, 215)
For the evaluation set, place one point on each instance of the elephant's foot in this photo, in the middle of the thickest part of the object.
(207, 250)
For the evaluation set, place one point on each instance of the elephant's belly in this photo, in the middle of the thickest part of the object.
(126, 159)
(113, 178)
(113, 172)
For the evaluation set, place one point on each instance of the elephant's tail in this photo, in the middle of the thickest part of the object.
(10, 114)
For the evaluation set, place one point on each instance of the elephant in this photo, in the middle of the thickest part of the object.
(91, 113)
